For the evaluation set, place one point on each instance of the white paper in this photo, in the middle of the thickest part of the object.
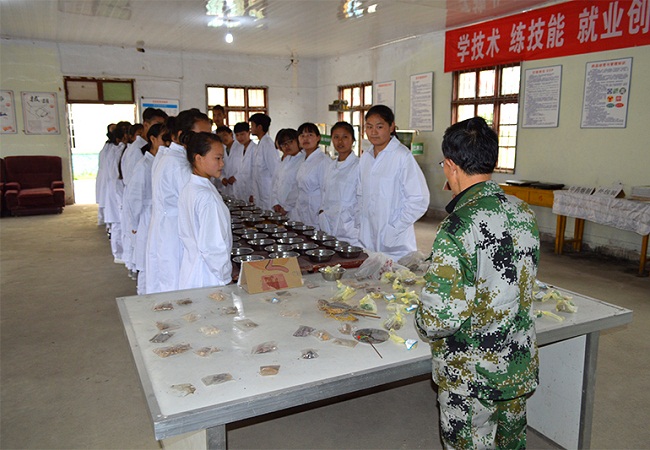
(607, 89)
(385, 94)
(7, 113)
(542, 97)
(40, 113)
(422, 102)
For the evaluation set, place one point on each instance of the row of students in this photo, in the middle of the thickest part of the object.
(372, 201)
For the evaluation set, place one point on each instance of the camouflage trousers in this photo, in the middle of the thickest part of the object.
(472, 423)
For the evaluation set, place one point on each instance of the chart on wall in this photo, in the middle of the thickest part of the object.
(7, 112)
(607, 91)
(170, 106)
(40, 112)
(542, 97)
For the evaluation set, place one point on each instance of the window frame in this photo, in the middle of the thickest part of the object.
(246, 109)
(497, 101)
(100, 89)
(362, 109)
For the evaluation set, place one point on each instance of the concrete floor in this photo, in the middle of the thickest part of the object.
(68, 379)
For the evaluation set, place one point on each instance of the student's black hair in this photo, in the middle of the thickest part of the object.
(223, 129)
(170, 123)
(186, 120)
(345, 126)
(109, 133)
(157, 129)
(284, 135)
(121, 130)
(382, 111)
(261, 119)
(150, 113)
(242, 126)
(219, 108)
(309, 127)
(198, 143)
(472, 145)
(135, 128)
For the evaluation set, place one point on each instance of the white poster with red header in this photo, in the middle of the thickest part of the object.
(607, 91)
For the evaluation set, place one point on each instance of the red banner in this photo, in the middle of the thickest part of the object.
(571, 28)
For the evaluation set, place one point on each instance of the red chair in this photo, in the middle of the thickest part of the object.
(34, 185)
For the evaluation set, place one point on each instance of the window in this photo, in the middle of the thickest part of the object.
(359, 98)
(492, 93)
(240, 102)
(93, 90)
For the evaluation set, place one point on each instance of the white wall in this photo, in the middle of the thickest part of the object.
(567, 154)
(38, 66)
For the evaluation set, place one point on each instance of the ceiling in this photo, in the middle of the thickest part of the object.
(305, 28)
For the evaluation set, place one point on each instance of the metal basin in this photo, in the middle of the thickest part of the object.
(320, 255)
(243, 258)
(277, 248)
(259, 244)
(349, 251)
(240, 251)
(291, 240)
(283, 255)
(304, 246)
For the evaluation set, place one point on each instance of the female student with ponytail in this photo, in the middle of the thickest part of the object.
(203, 217)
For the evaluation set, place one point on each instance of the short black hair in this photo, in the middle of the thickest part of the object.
(149, 113)
(382, 111)
(261, 119)
(219, 108)
(285, 135)
(344, 126)
(309, 128)
(242, 126)
(198, 143)
(472, 145)
(223, 129)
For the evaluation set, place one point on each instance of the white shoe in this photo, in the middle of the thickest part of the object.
(118, 261)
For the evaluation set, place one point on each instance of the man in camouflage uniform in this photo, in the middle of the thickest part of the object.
(476, 306)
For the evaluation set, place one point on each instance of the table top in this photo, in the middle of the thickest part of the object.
(624, 214)
(338, 369)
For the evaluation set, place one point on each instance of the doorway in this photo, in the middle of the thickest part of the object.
(87, 124)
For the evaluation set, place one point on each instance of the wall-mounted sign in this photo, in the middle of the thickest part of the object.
(7, 113)
(385, 94)
(170, 106)
(607, 91)
(568, 28)
(542, 97)
(422, 102)
(40, 113)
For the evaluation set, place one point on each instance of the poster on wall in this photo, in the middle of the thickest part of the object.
(607, 91)
(422, 102)
(542, 97)
(170, 106)
(40, 112)
(385, 94)
(7, 112)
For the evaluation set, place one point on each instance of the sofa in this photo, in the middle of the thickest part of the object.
(33, 185)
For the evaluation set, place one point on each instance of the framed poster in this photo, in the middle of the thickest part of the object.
(170, 106)
(607, 93)
(40, 112)
(7, 112)
(385, 94)
(542, 97)
(422, 102)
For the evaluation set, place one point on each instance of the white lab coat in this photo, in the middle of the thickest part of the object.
(243, 187)
(164, 249)
(310, 181)
(131, 156)
(340, 216)
(393, 195)
(265, 163)
(137, 209)
(100, 182)
(285, 184)
(232, 166)
(204, 228)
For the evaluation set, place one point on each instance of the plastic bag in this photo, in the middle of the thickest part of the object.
(209, 330)
(184, 302)
(244, 324)
(265, 347)
(322, 335)
(216, 379)
(309, 353)
(165, 352)
(550, 315)
(183, 390)
(191, 317)
(161, 337)
(566, 305)
(350, 343)
(303, 331)
(206, 351)
(344, 292)
(414, 261)
(368, 304)
(374, 266)
(165, 306)
(167, 326)
(267, 371)
(346, 328)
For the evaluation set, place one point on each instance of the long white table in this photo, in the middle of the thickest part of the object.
(560, 410)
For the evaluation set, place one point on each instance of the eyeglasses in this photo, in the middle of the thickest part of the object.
(287, 143)
(442, 163)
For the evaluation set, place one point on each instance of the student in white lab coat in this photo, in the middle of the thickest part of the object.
(228, 139)
(393, 192)
(241, 180)
(310, 175)
(137, 201)
(339, 215)
(115, 189)
(203, 217)
(169, 176)
(285, 185)
(265, 161)
(100, 181)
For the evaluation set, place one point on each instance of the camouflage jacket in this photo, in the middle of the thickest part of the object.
(476, 305)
